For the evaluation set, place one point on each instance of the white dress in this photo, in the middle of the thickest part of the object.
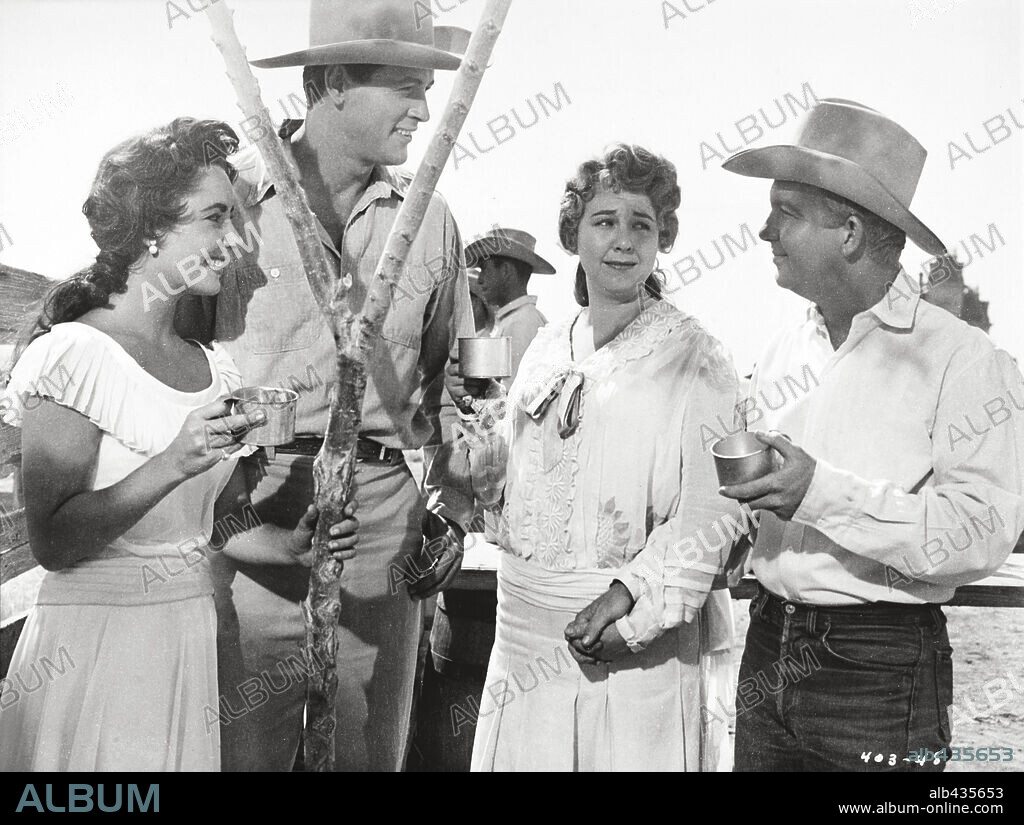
(630, 495)
(116, 668)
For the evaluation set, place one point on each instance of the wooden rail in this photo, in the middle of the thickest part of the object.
(20, 294)
(1003, 589)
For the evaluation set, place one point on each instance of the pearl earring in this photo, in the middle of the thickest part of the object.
(153, 248)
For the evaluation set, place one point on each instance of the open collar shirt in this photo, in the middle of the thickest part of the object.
(269, 321)
(917, 425)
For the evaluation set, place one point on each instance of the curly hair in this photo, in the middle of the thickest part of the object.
(138, 195)
(622, 168)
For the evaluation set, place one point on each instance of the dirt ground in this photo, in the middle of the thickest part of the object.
(988, 681)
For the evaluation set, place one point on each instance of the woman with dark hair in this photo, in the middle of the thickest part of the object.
(610, 490)
(128, 453)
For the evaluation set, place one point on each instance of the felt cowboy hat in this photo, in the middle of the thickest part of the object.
(388, 32)
(851, 151)
(508, 243)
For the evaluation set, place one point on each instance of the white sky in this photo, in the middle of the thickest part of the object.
(77, 77)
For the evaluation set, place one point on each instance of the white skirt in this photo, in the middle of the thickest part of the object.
(541, 711)
(113, 688)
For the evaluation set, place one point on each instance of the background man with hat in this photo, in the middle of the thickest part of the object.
(871, 520)
(506, 258)
(366, 75)
(944, 287)
(462, 633)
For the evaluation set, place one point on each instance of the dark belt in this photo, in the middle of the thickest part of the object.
(366, 450)
(775, 610)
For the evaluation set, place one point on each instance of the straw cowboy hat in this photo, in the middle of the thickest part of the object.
(508, 243)
(855, 152)
(388, 32)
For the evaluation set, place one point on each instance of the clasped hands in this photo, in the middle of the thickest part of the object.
(592, 636)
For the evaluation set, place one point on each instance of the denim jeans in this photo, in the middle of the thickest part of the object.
(842, 688)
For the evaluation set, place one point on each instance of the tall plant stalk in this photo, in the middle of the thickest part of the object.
(354, 336)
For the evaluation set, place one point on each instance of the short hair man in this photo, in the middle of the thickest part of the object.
(887, 499)
(366, 75)
(507, 258)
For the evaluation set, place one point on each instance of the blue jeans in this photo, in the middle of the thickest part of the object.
(820, 687)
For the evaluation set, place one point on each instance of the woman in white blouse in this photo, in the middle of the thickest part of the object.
(611, 490)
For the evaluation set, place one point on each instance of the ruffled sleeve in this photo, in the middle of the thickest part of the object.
(82, 369)
(78, 369)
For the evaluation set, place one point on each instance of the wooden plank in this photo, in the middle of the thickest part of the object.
(19, 292)
(15, 555)
(1005, 588)
(10, 446)
(16, 560)
(13, 528)
(10, 630)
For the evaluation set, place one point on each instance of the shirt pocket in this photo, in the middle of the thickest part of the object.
(407, 315)
(280, 313)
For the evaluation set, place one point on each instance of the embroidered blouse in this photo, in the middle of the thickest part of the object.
(633, 487)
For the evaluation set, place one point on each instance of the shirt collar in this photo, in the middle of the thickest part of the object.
(512, 306)
(384, 181)
(896, 308)
(899, 304)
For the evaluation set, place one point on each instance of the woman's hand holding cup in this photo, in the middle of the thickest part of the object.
(209, 435)
(464, 390)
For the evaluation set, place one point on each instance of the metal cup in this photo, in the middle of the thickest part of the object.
(740, 458)
(485, 357)
(279, 407)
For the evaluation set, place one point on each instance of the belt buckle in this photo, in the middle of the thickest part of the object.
(382, 456)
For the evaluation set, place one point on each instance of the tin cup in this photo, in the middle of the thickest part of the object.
(485, 357)
(279, 407)
(740, 458)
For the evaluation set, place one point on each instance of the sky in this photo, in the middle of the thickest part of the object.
(693, 80)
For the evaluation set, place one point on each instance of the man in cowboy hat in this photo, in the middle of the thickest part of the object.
(366, 74)
(870, 520)
(507, 258)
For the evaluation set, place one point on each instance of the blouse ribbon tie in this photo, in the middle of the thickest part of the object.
(567, 387)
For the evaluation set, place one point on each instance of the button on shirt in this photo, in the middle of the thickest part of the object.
(269, 321)
(917, 426)
(519, 320)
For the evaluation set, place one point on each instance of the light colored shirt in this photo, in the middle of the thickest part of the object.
(632, 489)
(519, 320)
(917, 426)
(268, 320)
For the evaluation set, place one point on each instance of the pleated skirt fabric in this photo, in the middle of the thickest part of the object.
(541, 711)
(113, 688)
